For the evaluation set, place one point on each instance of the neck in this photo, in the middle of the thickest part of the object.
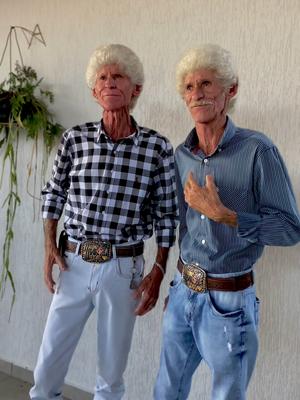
(209, 135)
(117, 123)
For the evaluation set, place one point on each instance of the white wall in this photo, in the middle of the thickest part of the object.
(264, 37)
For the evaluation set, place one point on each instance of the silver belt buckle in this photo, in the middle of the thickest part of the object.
(194, 277)
(96, 251)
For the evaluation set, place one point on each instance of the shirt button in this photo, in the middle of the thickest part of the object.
(205, 160)
(203, 241)
(219, 149)
(202, 216)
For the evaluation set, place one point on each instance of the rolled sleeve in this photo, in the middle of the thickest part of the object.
(55, 192)
(164, 204)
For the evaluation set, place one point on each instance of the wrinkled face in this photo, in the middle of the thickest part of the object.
(205, 97)
(113, 89)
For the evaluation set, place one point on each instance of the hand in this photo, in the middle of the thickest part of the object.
(148, 292)
(206, 200)
(52, 257)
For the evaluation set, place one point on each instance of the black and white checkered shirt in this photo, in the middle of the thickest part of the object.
(114, 191)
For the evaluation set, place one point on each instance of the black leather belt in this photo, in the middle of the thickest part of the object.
(196, 279)
(97, 251)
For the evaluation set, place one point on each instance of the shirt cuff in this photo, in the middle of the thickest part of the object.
(52, 210)
(166, 237)
(248, 226)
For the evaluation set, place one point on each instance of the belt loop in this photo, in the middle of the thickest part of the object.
(114, 251)
(77, 251)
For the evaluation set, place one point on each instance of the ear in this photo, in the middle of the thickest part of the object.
(94, 92)
(232, 90)
(137, 90)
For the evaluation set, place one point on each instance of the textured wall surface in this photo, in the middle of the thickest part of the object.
(264, 37)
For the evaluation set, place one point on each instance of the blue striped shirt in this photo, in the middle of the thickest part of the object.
(252, 181)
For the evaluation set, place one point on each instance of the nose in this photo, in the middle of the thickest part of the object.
(198, 93)
(110, 82)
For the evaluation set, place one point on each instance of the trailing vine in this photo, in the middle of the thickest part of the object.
(23, 112)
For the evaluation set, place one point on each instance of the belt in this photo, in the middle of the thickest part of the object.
(97, 251)
(196, 279)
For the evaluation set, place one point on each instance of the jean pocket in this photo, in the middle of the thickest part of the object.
(225, 304)
(69, 257)
(176, 281)
(129, 267)
(257, 311)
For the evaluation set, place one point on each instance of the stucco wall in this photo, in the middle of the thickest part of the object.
(264, 37)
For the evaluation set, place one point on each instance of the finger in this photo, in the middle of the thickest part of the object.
(60, 261)
(209, 180)
(144, 309)
(141, 308)
(210, 183)
(49, 282)
(144, 305)
(139, 291)
(191, 178)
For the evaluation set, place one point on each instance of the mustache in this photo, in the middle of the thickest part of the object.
(202, 103)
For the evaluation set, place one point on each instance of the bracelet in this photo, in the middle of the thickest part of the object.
(160, 267)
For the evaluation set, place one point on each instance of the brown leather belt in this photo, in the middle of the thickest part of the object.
(97, 251)
(196, 279)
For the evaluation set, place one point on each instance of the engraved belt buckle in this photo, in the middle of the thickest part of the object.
(194, 277)
(96, 251)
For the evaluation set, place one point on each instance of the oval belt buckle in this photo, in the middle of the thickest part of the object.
(194, 277)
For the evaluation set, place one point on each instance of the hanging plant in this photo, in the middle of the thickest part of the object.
(23, 112)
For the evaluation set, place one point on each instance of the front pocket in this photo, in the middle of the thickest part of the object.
(176, 281)
(225, 304)
(126, 267)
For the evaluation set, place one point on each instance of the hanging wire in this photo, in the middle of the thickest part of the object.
(29, 36)
(5, 47)
(20, 53)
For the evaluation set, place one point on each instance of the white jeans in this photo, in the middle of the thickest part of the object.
(83, 287)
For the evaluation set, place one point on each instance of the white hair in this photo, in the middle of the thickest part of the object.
(118, 54)
(208, 56)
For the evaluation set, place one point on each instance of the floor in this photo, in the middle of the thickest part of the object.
(13, 389)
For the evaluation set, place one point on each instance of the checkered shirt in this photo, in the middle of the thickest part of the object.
(116, 191)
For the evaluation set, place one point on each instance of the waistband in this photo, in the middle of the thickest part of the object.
(196, 279)
(98, 251)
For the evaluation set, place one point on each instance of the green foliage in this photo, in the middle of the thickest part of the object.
(28, 115)
(28, 110)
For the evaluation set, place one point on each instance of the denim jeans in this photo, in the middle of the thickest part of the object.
(217, 327)
(81, 289)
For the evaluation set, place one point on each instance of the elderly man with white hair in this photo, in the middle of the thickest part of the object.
(116, 180)
(234, 198)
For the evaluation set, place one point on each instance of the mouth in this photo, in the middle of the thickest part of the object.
(202, 104)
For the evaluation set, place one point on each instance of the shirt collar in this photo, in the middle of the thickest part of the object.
(133, 137)
(229, 131)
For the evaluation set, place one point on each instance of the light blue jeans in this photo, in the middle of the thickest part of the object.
(217, 327)
(81, 289)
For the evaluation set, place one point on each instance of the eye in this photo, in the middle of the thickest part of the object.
(189, 87)
(102, 77)
(117, 76)
(206, 83)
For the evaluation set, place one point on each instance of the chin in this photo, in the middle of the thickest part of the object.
(112, 106)
(204, 119)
